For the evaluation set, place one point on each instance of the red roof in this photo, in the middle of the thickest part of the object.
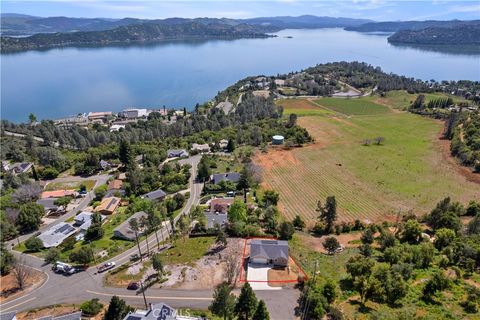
(57, 193)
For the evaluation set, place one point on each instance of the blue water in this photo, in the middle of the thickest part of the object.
(62, 82)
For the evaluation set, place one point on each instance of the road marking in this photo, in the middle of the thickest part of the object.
(150, 297)
(18, 304)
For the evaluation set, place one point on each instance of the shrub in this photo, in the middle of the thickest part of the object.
(34, 244)
(91, 307)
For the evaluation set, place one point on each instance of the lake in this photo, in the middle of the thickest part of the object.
(62, 82)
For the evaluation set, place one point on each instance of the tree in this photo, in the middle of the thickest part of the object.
(6, 259)
(133, 223)
(223, 303)
(34, 244)
(100, 192)
(261, 313)
(30, 216)
(204, 171)
(473, 226)
(331, 244)
(183, 226)
(443, 238)
(437, 283)
(52, 255)
(270, 198)
(328, 213)
(292, 120)
(117, 309)
(84, 255)
(386, 239)
(221, 238)
(237, 212)
(244, 182)
(157, 264)
(286, 230)
(473, 208)
(298, 222)
(32, 118)
(232, 264)
(91, 307)
(367, 236)
(26, 193)
(63, 201)
(21, 273)
(246, 303)
(230, 145)
(412, 232)
(360, 266)
(329, 291)
(125, 154)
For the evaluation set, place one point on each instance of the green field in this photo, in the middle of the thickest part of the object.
(70, 185)
(357, 106)
(187, 250)
(407, 171)
(400, 99)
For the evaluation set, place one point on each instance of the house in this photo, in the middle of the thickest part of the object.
(108, 205)
(139, 159)
(48, 205)
(123, 231)
(78, 120)
(264, 251)
(156, 195)
(83, 220)
(58, 194)
(99, 116)
(5, 166)
(116, 127)
(279, 82)
(122, 176)
(56, 234)
(71, 316)
(201, 147)
(225, 106)
(105, 165)
(116, 184)
(158, 311)
(177, 153)
(133, 113)
(223, 144)
(23, 167)
(229, 176)
(220, 205)
(216, 219)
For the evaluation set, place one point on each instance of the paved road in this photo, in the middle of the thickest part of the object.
(99, 180)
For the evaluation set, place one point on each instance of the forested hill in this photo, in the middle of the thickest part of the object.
(137, 33)
(459, 35)
(394, 26)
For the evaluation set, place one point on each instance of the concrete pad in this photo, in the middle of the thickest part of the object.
(259, 272)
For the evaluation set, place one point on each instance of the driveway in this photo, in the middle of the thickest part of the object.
(257, 276)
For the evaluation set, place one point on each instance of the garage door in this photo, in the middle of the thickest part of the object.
(260, 260)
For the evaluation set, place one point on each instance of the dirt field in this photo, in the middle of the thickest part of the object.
(291, 273)
(371, 183)
(55, 311)
(346, 240)
(9, 288)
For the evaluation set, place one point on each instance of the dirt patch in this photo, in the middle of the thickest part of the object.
(276, 158)
(54, 311)
(9, 288)
(290, 273)
(467, 173)
(347, 240)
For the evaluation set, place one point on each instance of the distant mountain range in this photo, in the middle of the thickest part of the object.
(17, 24)
(394, 26)
(465, 34)
(17, 30)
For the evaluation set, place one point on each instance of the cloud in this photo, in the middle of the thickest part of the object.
(469, 8)
(232, 14)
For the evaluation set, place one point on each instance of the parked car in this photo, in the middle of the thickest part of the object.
(134, 257)
(133, 286)
(63, 268)
(106, 266)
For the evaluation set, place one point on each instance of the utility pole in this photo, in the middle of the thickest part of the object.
(143, 293)
(307, 302)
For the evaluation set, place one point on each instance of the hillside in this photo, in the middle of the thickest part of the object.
(137, 33)
(394, 26)
(458, 35)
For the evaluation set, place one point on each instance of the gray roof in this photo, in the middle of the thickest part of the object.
(56, 234)
(124, 231)
(158, 311)
(270, 249)
(8, 315)
(84, 220)
(48, 203)
(213, 219)
(177, 153)
(154, 195)
(71, 316)
(229, 176)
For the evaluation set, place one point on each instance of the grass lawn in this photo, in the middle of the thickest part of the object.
(302, 108)
(70, 185)
(408, 171)
(120, 278)
(187, 250)
(357, 106)
(225, 164)
(401, 99)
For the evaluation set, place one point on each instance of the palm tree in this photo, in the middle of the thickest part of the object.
(133, 223)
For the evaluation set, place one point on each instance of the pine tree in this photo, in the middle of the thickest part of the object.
(246, 303)
(261, 313)
(223, 303)
(117, 309)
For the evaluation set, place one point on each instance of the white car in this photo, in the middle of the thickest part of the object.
(106, 266)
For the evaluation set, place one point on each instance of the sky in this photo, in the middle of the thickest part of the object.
(379, 10)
